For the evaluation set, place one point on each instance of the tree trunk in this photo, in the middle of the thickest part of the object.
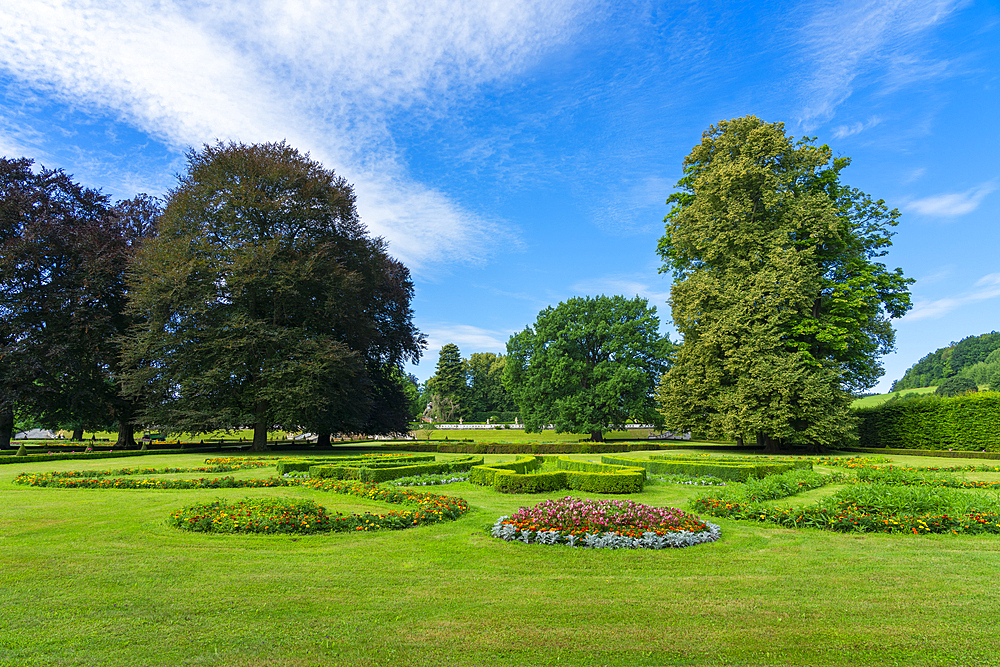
(259, 429)
(739, 441)
(126, 434)
(6, 427)
(770, 445)
(77, 433)
(323, 439)
(597, 436)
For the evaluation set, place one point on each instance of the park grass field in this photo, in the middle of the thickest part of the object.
(96, 577)
(879, 399)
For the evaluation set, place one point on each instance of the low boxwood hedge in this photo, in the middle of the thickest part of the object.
(517, 476)
(731, 470)
(303, 465)
(375, 473)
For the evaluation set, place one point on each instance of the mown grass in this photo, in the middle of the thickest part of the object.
(96, 577)
(879, 399)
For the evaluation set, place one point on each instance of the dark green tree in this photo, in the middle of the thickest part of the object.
(783, 310)
(263, 301)
(956, 386)
(588, 365)
(63, 257)
(448, 384)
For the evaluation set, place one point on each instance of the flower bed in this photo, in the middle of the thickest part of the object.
(611, 524)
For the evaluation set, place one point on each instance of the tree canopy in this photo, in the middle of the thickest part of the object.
(588, 365)
(63, 256)
(264, 301)
(967, 357)
(782, 307)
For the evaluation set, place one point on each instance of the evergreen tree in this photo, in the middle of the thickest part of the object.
(448, 385)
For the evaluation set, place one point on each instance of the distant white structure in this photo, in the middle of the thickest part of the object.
(36, 434)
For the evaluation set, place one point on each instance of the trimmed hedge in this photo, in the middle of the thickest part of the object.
(383, 472)
(484, 475)
(303, 465)
(946, 453)
(473, 447)
(970, 422)
(34, 458)
(728, 470)
(516, 477)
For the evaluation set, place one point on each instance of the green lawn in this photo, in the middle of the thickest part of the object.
(879, 399)
(96, 577)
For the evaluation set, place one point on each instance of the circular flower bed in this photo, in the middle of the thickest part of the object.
(609, 524)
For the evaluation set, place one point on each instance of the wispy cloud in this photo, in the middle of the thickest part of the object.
(624, 285)
(468, 338)
(842, 131)
(845, 41)
(987, 287)
(951, 205)
(325, 76)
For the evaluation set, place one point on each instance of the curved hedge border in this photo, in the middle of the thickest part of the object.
(375, 473)
(745, 503)
(517, 476)
(730, 469)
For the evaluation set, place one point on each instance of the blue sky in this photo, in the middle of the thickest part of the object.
(516, 153)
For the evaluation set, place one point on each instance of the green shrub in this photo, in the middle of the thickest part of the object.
(968, 422)
(22, 450)
(956, 386)
(735, 471)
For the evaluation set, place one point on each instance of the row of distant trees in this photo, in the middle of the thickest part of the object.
(973, 357)
(779, 296)
(253, 296)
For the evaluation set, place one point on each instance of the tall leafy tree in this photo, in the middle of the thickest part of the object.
(588, 365)
(783, 308)
(63, 257)
(486, 392)
(263, 301)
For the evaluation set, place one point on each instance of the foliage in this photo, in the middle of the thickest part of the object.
(63, 256)
(264, 301)
(447, 388)
(588, 365)
(611, 524)
(968, 422)
(956, 386)
(783, 310)
(486, 393)
(431, 508)
(887, 500)
(956, 358)
(271, 516)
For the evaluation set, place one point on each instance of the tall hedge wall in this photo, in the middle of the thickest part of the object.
(970, 422)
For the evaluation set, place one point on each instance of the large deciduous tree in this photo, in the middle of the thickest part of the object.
(486, 392)
(63, 257)
(588, 365)
(264, 301)
(782, 307)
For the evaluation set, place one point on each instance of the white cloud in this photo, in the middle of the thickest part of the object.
(952, 204)
(987, 287)
(847, 40)
(842, 131)
(468, 338)
(626, 286)
(326, 76)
